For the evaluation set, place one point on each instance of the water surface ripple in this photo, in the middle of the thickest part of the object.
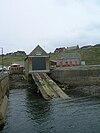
(30, 113)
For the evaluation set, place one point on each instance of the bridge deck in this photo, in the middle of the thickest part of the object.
(48, 88)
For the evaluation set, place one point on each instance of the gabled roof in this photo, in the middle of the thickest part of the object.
(69, 56)
(38, 51)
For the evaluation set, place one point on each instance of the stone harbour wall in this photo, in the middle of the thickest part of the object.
(79, 76)
(4, 87)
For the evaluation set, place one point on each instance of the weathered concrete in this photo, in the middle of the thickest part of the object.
(3, 108)
(87, 75)
(4, 87)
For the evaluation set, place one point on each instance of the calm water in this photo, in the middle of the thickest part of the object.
(29, 113)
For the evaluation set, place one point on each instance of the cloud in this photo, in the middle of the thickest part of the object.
(50, 23)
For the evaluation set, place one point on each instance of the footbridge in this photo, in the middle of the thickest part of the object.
(48, 88)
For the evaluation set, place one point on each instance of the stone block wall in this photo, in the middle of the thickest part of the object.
(4, 87)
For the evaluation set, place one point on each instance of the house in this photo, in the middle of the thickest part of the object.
(87, 46)
(19, 53)
(37, 61)
(68, 59)
(97, 45)
(73, 47)
(62, 49)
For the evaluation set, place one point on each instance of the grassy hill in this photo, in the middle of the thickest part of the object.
(90, 55)
(9, 59)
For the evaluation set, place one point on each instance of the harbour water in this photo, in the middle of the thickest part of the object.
(28, 112)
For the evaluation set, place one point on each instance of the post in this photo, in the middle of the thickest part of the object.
(2, 58)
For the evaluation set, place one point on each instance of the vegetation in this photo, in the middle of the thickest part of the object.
(91, 55)
(9, 59)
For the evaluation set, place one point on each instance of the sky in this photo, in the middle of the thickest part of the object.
(24, 24)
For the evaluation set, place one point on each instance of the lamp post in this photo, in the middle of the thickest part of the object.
(2, 56)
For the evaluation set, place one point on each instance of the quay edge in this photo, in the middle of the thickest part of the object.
(77, 76)
(4, 88)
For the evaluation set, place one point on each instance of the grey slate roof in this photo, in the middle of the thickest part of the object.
(69, 56)
(38, 51)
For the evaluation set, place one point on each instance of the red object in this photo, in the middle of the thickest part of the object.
(70, 62)
(61, 63)
(66, 63)
(75, 62)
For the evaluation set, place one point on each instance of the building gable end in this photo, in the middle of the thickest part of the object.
(38, 51)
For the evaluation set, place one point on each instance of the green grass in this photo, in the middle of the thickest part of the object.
(89, 55)
(9, 59)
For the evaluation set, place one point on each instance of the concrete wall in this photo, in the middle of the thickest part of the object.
(76, 77)
(4, 87)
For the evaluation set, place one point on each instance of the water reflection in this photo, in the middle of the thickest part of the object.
(37, 106)
(40, 111)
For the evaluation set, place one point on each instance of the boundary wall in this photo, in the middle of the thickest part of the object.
(4, 88)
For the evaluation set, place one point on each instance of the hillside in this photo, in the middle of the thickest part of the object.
(90, 55)
(9, 59)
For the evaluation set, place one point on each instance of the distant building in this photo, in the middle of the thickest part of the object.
(87, 46)
(19, 53)
(62, 49)
(69, 59)
(9, 54)
(73, 47)
(97, 45)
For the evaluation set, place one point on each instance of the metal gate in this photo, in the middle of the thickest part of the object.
(38, 63)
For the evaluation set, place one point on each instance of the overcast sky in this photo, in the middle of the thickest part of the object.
(25, 24)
